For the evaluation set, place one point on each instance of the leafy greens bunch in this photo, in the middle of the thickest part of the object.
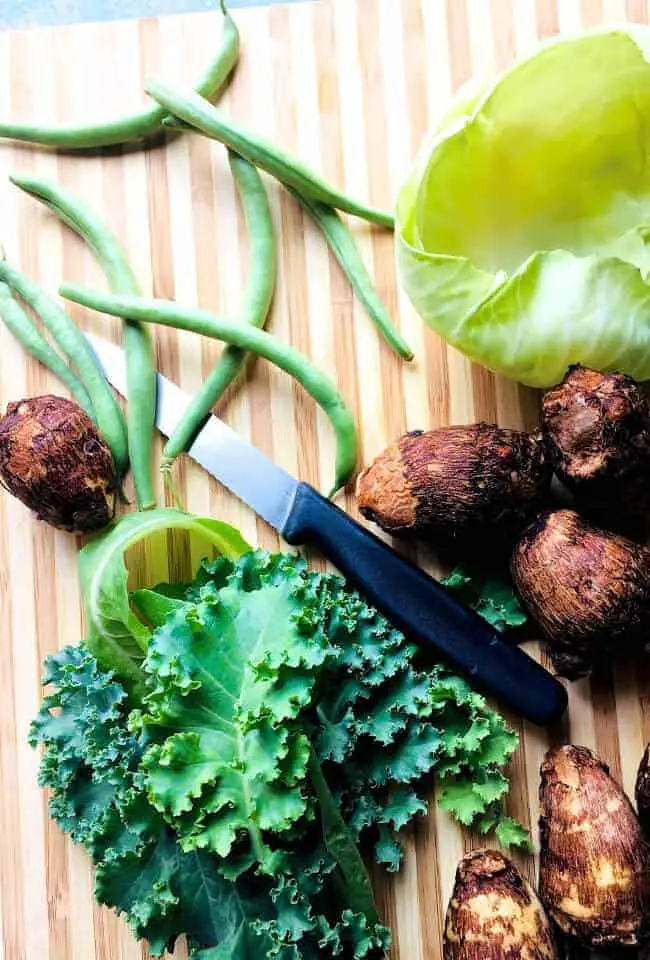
(222, 777)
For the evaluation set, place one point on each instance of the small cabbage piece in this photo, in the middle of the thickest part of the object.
(523, 228)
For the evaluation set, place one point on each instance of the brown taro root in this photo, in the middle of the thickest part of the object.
(597, 430)
(588, 589)
(642, 792)
(495, 913)
(54, 460)
(456, 482)
(594, 877)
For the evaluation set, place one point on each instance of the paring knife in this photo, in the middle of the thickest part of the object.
(413, 601)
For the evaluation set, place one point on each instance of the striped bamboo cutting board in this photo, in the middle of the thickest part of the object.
(351, 86)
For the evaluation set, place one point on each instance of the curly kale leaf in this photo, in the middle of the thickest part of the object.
(89, 754)
(91, 764)
(231, 671)
(166, 893)
(383, 727)
(492, 598)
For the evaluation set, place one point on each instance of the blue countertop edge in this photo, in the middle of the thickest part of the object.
(17, 14)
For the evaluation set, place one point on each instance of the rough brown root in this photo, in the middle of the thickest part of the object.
(597, 430)
(594, 864)
(456, 481)
(588, 589)
(55, 461)
(494, 913)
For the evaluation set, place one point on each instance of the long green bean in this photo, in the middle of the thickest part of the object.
(135, 126)
(31, 338)
(249, 338)
(341, 243)
(138, 347)
(195, 111)
(74, 345)
(255, 308)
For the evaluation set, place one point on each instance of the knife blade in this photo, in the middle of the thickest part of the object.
(416, 603)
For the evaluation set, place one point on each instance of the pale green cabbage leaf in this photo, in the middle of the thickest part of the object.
(523, 228)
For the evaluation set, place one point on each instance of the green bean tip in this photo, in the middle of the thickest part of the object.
(67, 291)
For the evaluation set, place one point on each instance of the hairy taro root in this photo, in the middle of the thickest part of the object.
(456, 481)
(594, 877)
(588, 589)
(597, 430)
(495, 913)
(642, 792)
(55, 461)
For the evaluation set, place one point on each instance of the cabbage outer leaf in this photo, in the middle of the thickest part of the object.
(114, 633)
(523, 228)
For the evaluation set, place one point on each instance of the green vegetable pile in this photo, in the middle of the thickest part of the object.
(221, 764)
(523, 228)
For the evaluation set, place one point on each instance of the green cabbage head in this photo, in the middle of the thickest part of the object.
(524, 228)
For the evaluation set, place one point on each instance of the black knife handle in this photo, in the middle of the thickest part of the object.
(424, 609)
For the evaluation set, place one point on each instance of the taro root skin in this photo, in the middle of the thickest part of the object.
(588, 589)
(55, 461)
(597, 431)
(642, 792)
(594, 875)
(455, 481)
(495, 913)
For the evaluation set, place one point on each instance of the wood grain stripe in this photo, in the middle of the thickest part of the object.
(13, 911)
(547, 18)
(375, 92)
(636, 11)
(592, 12)
(424, 113)
(26, 617)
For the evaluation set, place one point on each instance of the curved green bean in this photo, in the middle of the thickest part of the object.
(91, 229)
(255, 309)
(341, 243)
(31, 338)
(74, 345)
(196, 112)
(138, 346)
(249, 338)
(135, 126)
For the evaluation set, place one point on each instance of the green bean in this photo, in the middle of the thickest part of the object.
(255, 309)
(135, 126)
(249, 338)
(198, 113)
(138, 347)
(31, 338)
(90, 228)
(74, 345)
(342, 244)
